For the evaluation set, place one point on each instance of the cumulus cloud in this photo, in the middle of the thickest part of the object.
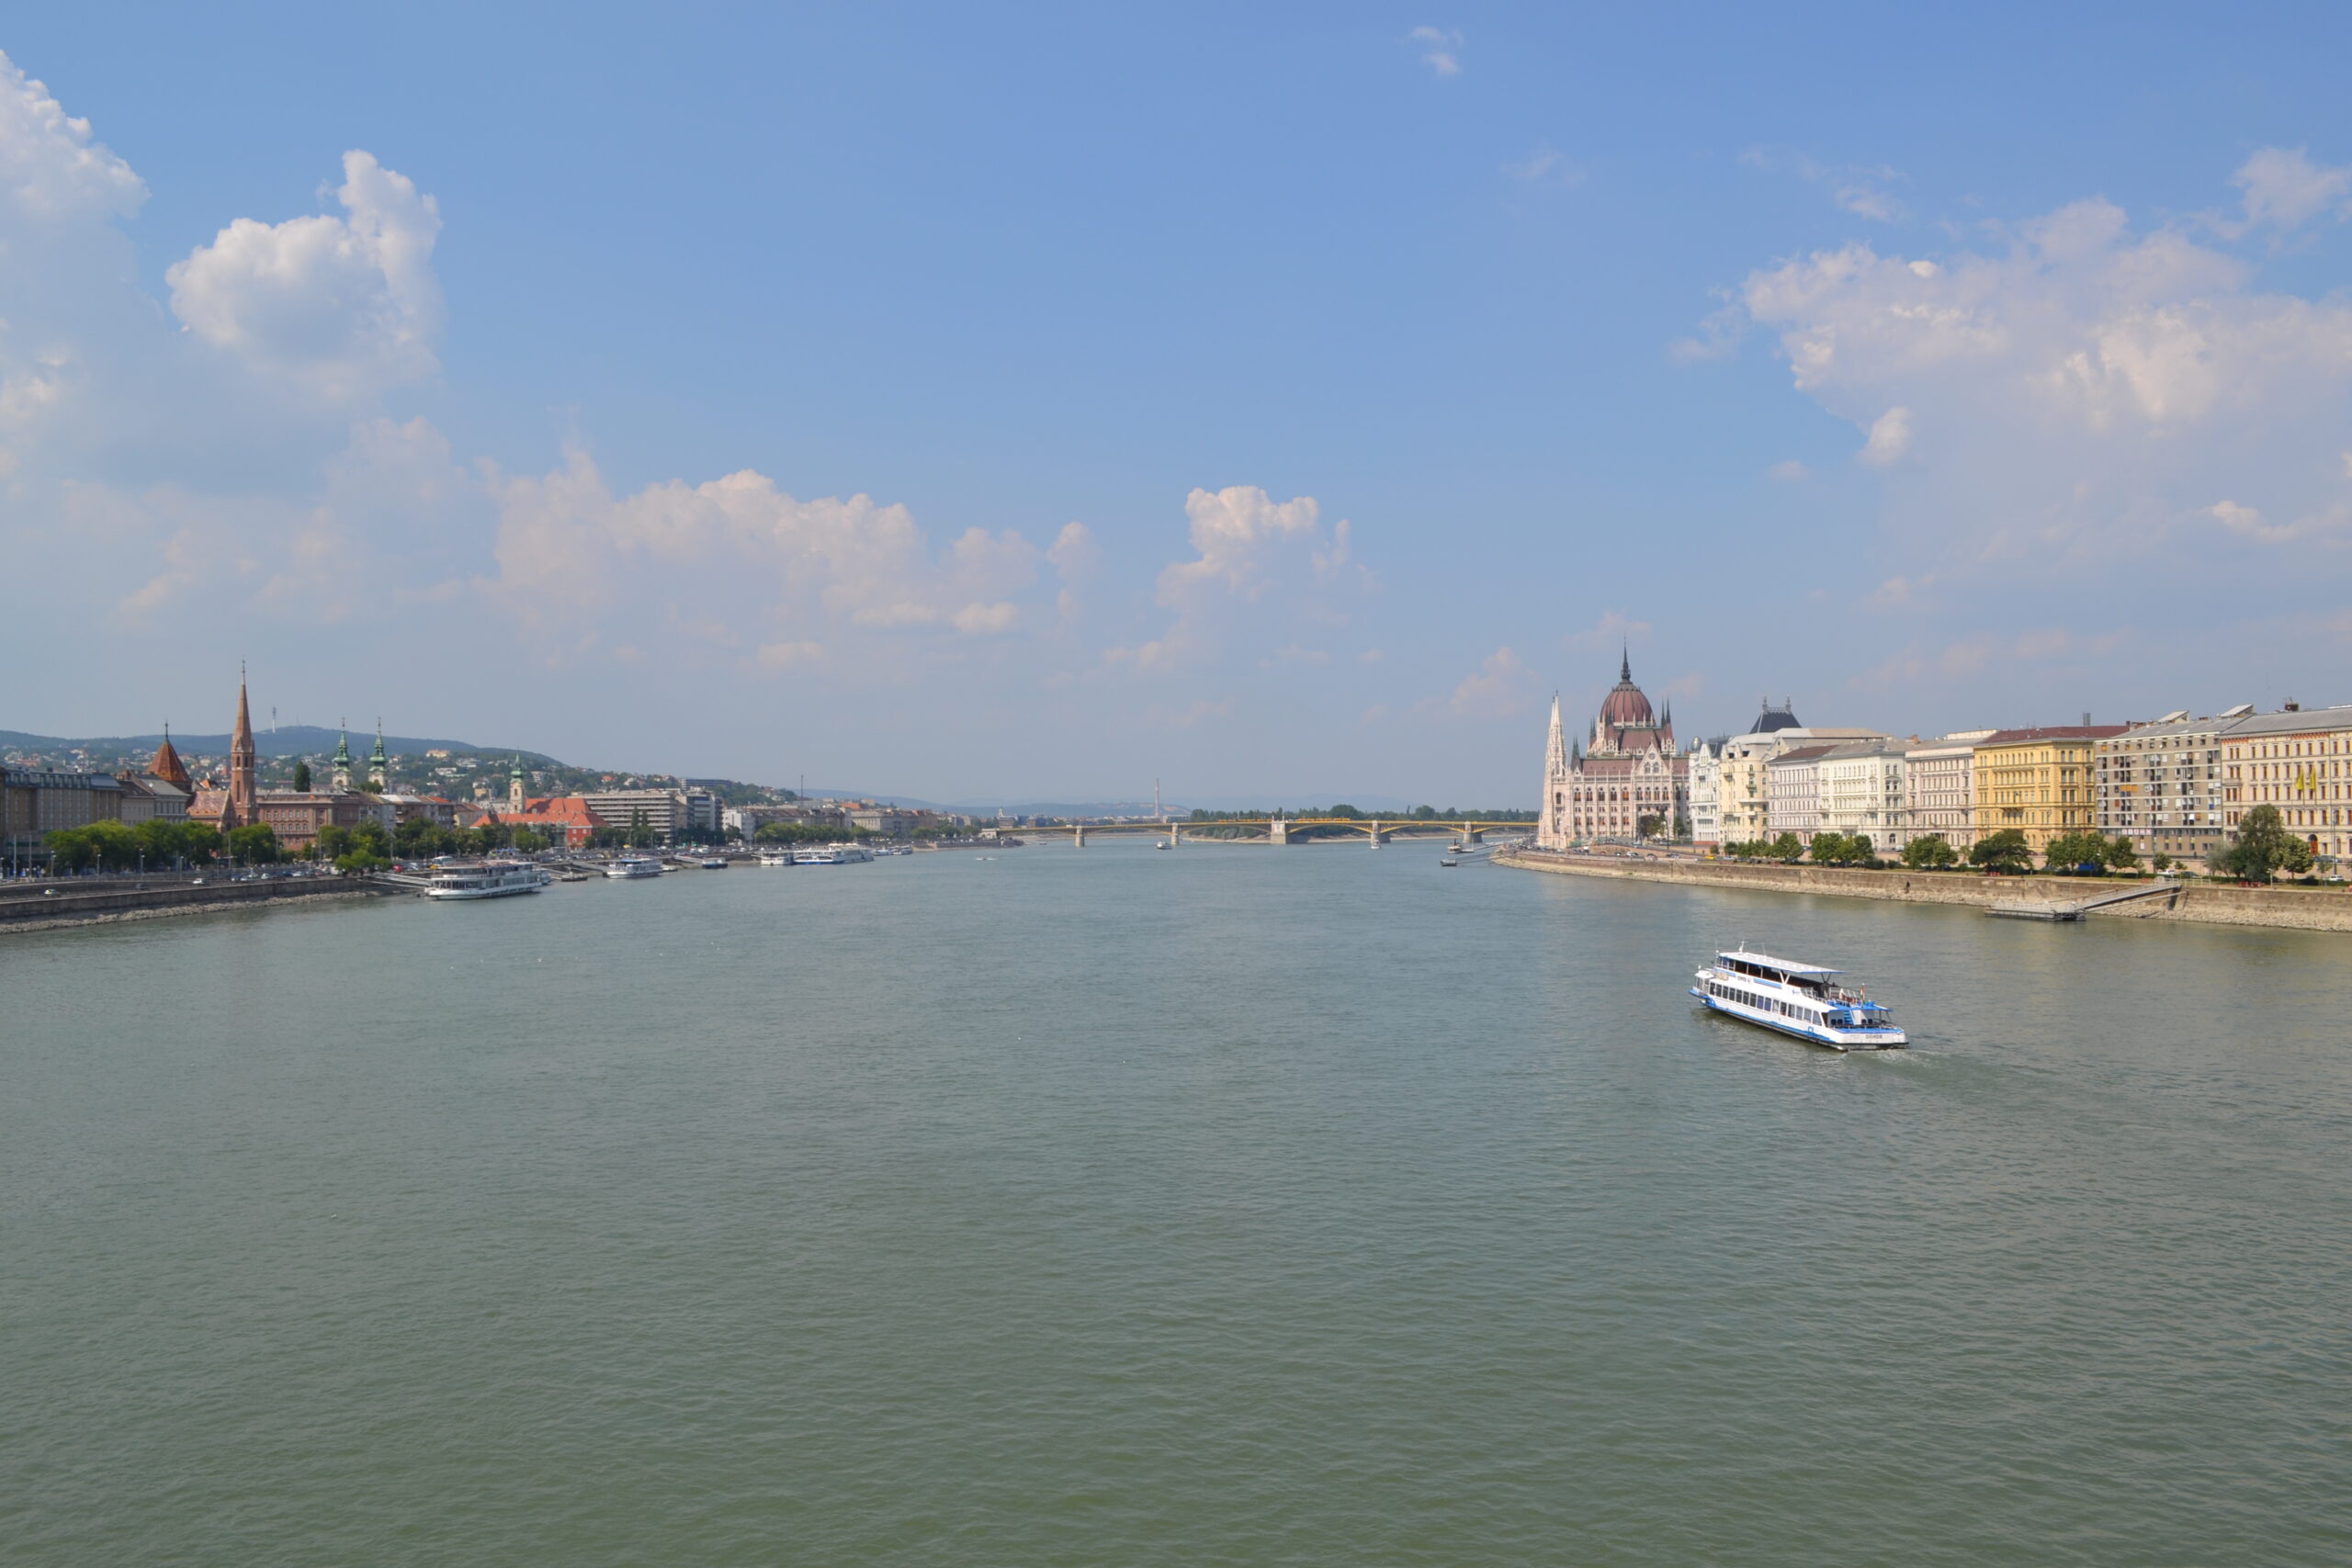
(1440, 48)
(2282, 187)
(1890, 437)
(1249, 548)
(752, 566)
(341, 307)
(1501, 687)
(50, 169)
(2085, 387)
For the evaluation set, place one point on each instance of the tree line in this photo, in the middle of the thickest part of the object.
(2261, 848)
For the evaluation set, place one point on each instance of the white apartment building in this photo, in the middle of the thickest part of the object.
(1792, 792)
(1742, 789)
(1706, 812)
(1859, 787)
(1939, 789)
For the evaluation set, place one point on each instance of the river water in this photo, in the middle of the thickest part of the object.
(1227, 1205)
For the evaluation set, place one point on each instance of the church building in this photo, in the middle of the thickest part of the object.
(1629, 770)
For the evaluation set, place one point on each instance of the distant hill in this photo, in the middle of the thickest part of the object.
(287, 740)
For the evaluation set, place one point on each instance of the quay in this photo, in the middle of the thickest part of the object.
(2201, 903)
(52, 904)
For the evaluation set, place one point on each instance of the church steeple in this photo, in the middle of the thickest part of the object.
(1556, 749)
(517, 800)
(343, 760)
(1625, 662)
(379, 767)
(242, 786)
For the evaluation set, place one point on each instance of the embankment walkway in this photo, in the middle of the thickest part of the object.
(2204, 903)
(39, 908)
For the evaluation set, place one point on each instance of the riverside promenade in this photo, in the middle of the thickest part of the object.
(48, 906)
(2202, 903)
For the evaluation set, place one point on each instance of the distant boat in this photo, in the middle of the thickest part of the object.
(714, 863)
(632, 866)
(775, 857)
(1449, 860)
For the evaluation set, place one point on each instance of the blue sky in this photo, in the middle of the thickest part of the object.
(1278, 401)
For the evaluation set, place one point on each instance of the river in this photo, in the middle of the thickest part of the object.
(1224, 1205)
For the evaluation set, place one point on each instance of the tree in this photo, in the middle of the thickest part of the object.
(2005, 852)
(2076, 855)
(1788, 848)
(641, 835)
(2260, 848)
(331, 843)
(2120, 856)
(2160, 863)
(1829, 847)
(1647, 825)
(71, 849)
(302, 776)
(255, 843)
(1933, 852)
(529, 842)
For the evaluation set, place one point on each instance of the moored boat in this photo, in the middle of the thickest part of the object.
(1799, 999)
(493, 879)
(630, 866)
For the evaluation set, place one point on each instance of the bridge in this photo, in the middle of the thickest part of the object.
(1279, 830)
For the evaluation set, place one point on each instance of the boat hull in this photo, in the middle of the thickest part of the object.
(1811, 1033)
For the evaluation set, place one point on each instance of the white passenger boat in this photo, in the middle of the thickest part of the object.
(634, 866)
(714, 863)
(494, 879)
(832, 854)
(1803, 999)
(775, 857)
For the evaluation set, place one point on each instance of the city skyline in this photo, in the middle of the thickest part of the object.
(1282, 408)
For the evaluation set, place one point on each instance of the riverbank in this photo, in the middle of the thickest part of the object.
(2202, 903)
(61, 905)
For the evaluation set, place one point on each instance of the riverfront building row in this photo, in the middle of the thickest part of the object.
(2175, 786)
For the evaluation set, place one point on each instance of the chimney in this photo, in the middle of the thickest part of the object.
(2291, 707)
(2087, 721)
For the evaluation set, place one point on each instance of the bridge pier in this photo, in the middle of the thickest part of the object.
(1175, 835)
(1078, 836)
(1379, 837)
(1278, 832)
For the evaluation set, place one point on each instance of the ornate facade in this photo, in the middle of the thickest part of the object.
(1629, 771)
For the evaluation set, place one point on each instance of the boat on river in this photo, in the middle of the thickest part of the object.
(631, 866)
(493, 879)
(1799, 999)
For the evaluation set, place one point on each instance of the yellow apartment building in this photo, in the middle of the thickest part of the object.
(2041, 782)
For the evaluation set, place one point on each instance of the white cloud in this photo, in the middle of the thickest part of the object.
(1546, 165)
(1789, 473)
(1440, 48)
(1863, 190)
(2282, 186)
(738, 554)
(50, 170)
(341, 307)
(1612, 631)
(1890, 437)
(1501, 687)
(2082, 389)
(1249, 547)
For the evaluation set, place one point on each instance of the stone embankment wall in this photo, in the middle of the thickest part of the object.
(2301, 908)
(33, 909)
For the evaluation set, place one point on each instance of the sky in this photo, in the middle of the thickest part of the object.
(1277, 402)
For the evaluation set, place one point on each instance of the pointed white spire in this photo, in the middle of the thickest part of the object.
(1555, 750)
